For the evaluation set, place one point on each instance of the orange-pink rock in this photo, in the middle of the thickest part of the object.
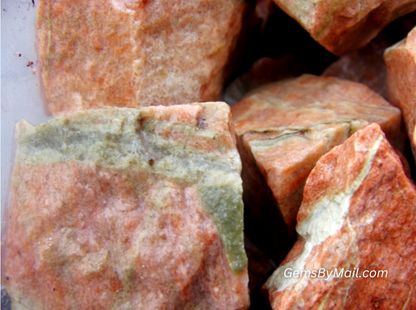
(344, 26)
(125, 53)
(401, 81)
(283, 129)
(358, 217)
(128, 209)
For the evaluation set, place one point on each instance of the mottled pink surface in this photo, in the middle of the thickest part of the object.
(87, 234)
(124, 53)
(342, 26)
(284, 128)
(358, 211)
(401, 81)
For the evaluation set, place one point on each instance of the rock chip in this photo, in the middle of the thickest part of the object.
(283, 129)
(128, 209)
(401, 81)
(344, 26)
(358, 217)
(125, 53)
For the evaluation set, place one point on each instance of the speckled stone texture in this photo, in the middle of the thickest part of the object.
(401, 81)
(128, 209)
(358, 213)
(283, 129)
(126, 53)
(342, 26)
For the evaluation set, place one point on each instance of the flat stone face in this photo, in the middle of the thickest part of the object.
(128, 209)
(401, 81)
(125, 53)
(358, 214)
(344, 26)
(284, 128)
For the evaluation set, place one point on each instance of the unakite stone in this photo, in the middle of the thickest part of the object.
(128, 209)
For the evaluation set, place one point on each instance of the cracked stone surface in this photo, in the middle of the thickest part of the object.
(401, 81)
(125, 53)
(344, 26)
(358, 213)
(283, 129)
(128, 209)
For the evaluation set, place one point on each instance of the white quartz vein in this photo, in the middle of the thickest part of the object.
(326, 218)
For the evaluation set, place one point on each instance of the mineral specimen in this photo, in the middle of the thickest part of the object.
(342, 26)
(126, 53)
(357, 231)
(283, 129)
(401, 81)
(128, 209)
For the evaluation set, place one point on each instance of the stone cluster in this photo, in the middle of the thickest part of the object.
(357, 215)
(283, 129)
(145, 191)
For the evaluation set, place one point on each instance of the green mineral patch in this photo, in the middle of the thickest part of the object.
(112, 139)
(226, 207)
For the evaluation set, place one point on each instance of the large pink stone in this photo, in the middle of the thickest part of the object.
(128, 209)
(283, 129)
(345, 25)
(401, 81)
(126, 53)
(358, 214)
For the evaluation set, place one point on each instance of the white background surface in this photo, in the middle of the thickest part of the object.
(20, 93)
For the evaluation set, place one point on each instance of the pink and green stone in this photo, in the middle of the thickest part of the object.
(128, 209)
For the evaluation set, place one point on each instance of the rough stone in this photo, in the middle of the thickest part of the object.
(128, 209)
(344, 26)
(401, 81)
(283, 129)
(358, 215)
(124, 53)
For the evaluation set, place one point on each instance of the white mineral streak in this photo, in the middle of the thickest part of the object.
(325, 219)
(304, 11)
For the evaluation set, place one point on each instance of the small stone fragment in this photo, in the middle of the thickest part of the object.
(283, 129)
(401, 81)
(344, 26)
(128, 209)
(124, 53)
(357, 226)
